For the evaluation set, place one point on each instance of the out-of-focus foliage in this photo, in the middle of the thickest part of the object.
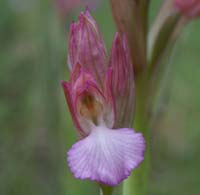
(36, 128)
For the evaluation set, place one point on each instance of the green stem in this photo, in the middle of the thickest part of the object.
(106, 190)
(136, 184)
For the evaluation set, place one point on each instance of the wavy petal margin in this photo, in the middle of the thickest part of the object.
(107, 156)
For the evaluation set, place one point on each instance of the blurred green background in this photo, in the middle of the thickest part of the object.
(35, 126)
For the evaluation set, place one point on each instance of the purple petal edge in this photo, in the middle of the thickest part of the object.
(107, 156)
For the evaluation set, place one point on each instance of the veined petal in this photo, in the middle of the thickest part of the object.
(81, 86)
(110, 108)
(87, 48)
(88, 105)
(81, 80)
(91, 103)
(122, 81)
(75, 73)
(107, 156)
(68, 94)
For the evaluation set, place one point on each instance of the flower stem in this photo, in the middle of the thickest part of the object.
(136, 184)
(106, 190)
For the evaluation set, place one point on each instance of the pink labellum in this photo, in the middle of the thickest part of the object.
(107, 156)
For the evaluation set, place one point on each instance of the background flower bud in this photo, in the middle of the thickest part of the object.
(188, 8)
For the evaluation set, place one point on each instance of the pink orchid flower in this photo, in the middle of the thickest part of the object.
(189, 8)
(100, 96)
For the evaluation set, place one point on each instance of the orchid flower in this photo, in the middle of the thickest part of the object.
(100, 96)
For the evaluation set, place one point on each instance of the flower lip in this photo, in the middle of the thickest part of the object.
(107, 156)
